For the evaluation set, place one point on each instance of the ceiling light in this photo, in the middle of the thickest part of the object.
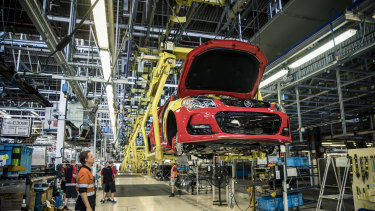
(34, 113)
(3, 112)
(339, 39)
(100, 21)
(326, 143)
(105, 58)
(273, 78)
(337, 145)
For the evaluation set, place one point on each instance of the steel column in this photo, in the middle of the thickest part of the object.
(61, 127)
(299, 116)
(341, 102)
(94, 145)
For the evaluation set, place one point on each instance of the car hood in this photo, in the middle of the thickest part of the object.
(222, 67)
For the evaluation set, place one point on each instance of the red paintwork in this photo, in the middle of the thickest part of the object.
(207, 116)
(182, 91)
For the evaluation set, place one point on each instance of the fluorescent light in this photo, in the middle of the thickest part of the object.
(326, 143)
(105, 57)
(100, 21)
(34, 113)
(3, 112)
(337, 145)
(339, 39)
(273, 78)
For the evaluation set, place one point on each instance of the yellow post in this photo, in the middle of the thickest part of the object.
(130, 146)
(155, 119)
(134, 148)
(143, 129)
(164, 65)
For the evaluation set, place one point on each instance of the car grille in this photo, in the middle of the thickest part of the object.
(247, 103)
(248, 123)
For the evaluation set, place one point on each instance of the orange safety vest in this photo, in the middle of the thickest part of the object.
(85, 181)
(174, 172)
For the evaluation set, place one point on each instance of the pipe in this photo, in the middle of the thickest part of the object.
(341, 102)
(299, 116)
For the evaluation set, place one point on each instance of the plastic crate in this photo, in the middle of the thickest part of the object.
(7, 150)
(290, 161)
(266, 203)
(296, 162)
(304, 162)
(297, 200)
(26, 157)
(280, 202)
(292, 201)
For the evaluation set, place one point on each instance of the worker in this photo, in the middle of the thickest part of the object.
(63, 180)
(70, 183)
(173, 179)
(108, 183)
(114, 170)
(85, 183)
(102, 175)
(114, 174)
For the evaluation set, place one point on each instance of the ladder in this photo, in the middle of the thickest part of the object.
(339, 197)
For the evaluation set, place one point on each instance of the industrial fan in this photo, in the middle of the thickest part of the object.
(220, 179)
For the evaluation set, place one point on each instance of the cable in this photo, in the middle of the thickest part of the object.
(232, 197)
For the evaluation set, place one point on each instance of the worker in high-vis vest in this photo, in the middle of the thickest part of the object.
(173, 179)
(85, 183)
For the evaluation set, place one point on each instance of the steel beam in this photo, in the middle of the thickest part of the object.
(50, 37)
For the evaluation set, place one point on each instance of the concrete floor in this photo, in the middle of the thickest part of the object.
(188, 202)
(184, 202)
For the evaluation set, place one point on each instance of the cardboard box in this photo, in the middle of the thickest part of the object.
(11, 202)
(49, 193)
(32, 196)
(31, 203)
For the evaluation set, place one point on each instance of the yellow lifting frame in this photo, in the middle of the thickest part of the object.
(131, 145)
(253, 155)
(143, 129)
(160, 75)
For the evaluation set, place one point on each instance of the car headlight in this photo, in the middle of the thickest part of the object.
(280, 108)
(195, 103)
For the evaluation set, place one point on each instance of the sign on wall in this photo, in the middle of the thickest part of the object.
(16, 128)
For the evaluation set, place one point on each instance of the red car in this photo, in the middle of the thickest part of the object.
(214, 110)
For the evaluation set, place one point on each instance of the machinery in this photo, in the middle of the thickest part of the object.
(39, 188)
